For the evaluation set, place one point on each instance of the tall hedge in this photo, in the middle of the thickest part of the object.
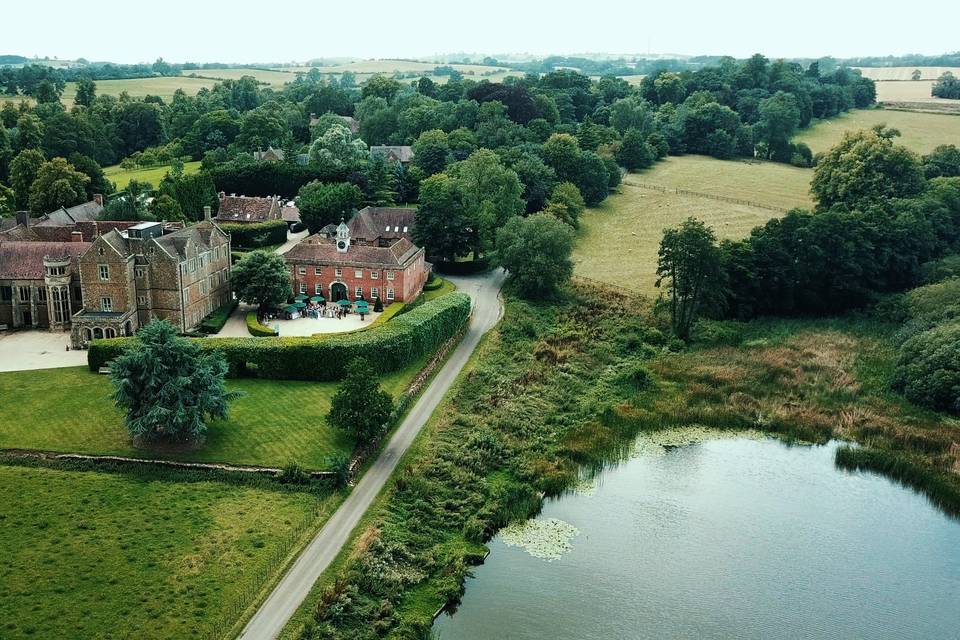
(388, 347)
(257, 234)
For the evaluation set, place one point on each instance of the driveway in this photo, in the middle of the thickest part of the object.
(283, 601)
(37, 349)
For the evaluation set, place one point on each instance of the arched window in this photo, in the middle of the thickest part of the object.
(86, 335)
(111, 333)
(97, 333)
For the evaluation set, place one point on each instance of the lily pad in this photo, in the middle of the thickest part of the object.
(547, 539)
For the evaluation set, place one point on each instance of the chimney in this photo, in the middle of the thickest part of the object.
(98, 198)
(23, 217)
(206, 213)
(76, 236)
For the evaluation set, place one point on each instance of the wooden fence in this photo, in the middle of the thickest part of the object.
(701, 194)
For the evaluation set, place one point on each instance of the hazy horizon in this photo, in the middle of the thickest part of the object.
(292, 30)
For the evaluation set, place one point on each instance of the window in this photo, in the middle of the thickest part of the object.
(100, 251)
(141, 272)
(338, 272)
(104, 271)
(41, 295)
(358, 273)
(106, 304)
(6, 293)
(303, 287)
(110, 333)
(141, 300)
(302, 271)
(358, 293)
(318, 289)
(374, 275)
(24, 294)
(389, 275)
(186, 294)
(193, 265)
(405, 229)
(389, 293)
(374, 293)
(316, 271)
(59, 305)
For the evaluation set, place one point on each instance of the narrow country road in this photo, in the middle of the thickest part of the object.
(270, 619)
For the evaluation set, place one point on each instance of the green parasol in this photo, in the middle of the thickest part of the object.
(316, 299)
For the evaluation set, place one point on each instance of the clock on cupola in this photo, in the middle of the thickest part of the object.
(343, 237)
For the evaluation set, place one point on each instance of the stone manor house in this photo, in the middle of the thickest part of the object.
(117, 282)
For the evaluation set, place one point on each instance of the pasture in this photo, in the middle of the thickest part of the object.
(905, 73)
(618, 241)
(149, 555)
(274, 423)
(921, 132)
(122, 177)
(270, 77)
(164, 87)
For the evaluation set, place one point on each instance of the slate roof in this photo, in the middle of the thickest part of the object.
(372, 224)
(65, 217)
(351, 123)
(399, 153)
(176, 243)
(24, 260)
(317, 249)
(243, 209)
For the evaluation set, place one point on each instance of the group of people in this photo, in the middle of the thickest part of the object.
(320, 310)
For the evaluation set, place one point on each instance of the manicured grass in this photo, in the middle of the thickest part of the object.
(276, 422)
(445, 288)
(618, 241)
(921, 132)
(153, 175)
(104, 555)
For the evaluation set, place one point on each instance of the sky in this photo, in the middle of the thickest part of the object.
(295, 30)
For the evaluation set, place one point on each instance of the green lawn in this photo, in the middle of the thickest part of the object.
(121, 177)
(276, 422)
(921, 132)
(618, 241)
(107, 556)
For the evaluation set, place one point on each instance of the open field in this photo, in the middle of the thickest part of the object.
(121, 177)
(905, 73)
(404, 66)
(267, 76)
(921, 132)
(276, 422)
(163, 87)
(618, 241)
(107, 555)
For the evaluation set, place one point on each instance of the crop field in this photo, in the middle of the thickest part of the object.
(921, 132)
(163, 87)
(109, 555)
(407, 66)
(267, 76)
(618, 241)
(275, 423)
(909, 91)
(121, 177)
(905, 73)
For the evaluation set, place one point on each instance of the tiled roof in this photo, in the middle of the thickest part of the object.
(398, 153)
(291, 214)
(65, 217)
(244, 209)
(316, 249)
(373, 223)
(24, 260)
(20, 233)
(176, 243)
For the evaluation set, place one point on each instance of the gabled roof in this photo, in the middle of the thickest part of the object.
(397, 153)
(199, 235)
(269, 154)
(24, 260)
(374, 223)
(64, 217)
(243, 209)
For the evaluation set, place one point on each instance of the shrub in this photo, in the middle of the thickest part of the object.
(259, 234)
(214, 322)
(389, 347)
(258, 330)
(433, 284)
(293, 473)
(928, 368)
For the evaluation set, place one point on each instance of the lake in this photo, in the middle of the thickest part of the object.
(740, 537)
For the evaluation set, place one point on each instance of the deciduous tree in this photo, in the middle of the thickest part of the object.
(262, 278)
(322, 203)
(689, 266)
(536, 251)
(360, 406)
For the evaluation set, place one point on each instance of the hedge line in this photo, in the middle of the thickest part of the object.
(256, 329)
(462, 268)
(214, 322)
(258, 234)
(388, 347)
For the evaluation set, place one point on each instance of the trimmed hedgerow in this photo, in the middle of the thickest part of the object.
(258, 330)
(259, 234)
(389, 347)
(214, 322)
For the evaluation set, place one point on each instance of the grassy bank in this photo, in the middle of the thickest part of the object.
(274, 423)
(122, 177)
(108, 555)
(921, 132)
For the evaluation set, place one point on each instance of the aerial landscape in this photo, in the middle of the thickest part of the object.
(470, 323)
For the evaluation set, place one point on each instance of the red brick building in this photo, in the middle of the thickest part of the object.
(347, 266)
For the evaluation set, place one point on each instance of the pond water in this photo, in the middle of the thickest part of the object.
(740, 537)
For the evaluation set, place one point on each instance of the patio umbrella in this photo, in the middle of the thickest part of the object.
(290, 308)
(362, 304)
(343, 303)
(316, 299)
(300, 298)
(299, 305)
